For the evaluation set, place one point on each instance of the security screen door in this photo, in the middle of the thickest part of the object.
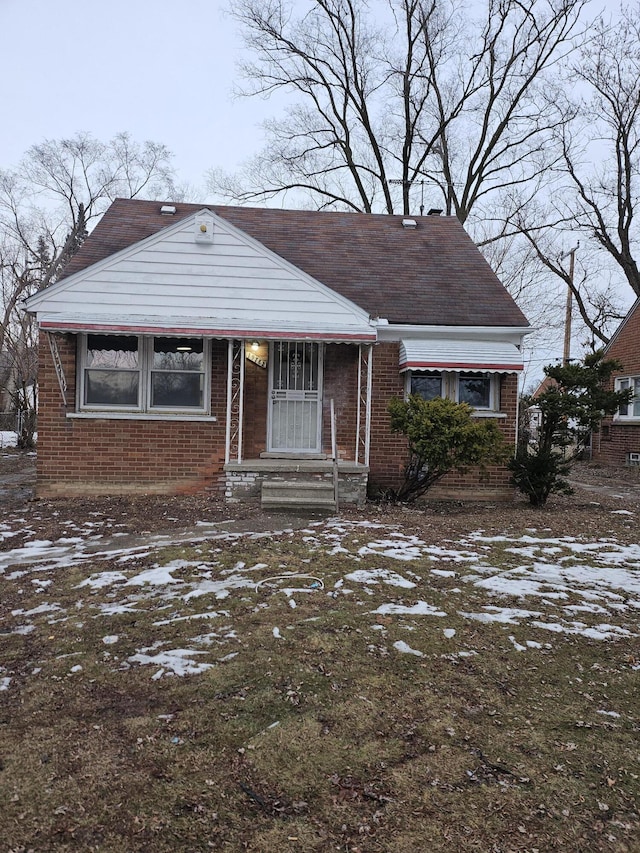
(296, 395)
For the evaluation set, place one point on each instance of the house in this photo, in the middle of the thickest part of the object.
(191, 347)
(533, 414)
(618, 441)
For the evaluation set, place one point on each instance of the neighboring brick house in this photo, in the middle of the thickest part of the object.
(618, 441)
(191, 347)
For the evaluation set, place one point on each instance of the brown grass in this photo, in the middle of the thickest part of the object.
(325, 739)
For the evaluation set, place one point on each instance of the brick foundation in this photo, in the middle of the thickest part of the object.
(243, 480)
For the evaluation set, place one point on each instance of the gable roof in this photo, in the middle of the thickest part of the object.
(432, 274)
(200, 275)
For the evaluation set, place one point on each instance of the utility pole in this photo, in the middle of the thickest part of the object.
(566, 353)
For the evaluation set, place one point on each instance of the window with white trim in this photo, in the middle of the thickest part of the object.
(427, 384)
(136, 374)
(477, 389)
(481, 390)
(632, 408)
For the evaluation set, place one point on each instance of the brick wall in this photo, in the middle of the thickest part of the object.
(100, 456)
(388, 451)
(617, 438)
(341, 386)
(256, 400)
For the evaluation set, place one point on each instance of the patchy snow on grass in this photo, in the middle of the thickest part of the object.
(102, 579)
(158, 576)
(219, 589)
(517, 646)
(43, 608)
(506, 615)
(177, 661)
(561, 586)
(375, 576)
(405, 649)
(420, 608)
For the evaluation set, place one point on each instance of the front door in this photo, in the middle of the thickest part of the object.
(295, 407)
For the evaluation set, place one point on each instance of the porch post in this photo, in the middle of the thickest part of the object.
(365, 378)
(227, 439)
(367, 437)
(235, 401)
(359, 397)
(240, 397)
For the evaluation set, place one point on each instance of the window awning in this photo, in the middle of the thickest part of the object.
(441, 354)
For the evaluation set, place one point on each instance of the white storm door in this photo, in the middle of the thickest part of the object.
(295, 405)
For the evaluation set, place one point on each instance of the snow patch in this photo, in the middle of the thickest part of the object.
(403, 648)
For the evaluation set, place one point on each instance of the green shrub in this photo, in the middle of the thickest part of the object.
(571, 410)
(442, 436)
(538, 475)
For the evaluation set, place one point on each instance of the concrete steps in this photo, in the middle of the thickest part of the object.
(298, 494)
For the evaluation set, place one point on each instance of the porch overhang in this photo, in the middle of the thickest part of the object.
(207, 328)
(461, 354)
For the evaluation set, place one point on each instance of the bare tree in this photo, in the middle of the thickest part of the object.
(62, 186)
(596, 189)
(47, 206)
(405, 94)
(607, 191)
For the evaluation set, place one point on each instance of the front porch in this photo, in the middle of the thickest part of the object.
(287, 483)
(298, 424)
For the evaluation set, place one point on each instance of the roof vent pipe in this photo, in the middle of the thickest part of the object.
(167, 210)
(409, 223)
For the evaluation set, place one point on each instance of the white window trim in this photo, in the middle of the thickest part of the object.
(494, 390)
(145, 366)
(450, 385)
(629, 417)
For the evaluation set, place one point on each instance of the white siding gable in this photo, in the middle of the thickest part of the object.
(180, 278)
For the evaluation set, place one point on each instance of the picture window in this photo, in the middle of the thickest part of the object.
(132, 373)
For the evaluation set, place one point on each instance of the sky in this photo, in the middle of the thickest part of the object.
(160, 69)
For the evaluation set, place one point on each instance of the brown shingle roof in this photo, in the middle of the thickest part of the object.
(431, 275)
